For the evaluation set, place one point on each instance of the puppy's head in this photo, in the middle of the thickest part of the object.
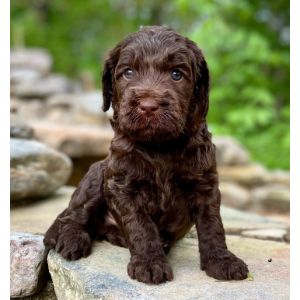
(157, 82)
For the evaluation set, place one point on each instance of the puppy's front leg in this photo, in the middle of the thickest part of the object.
(216, 259)
(70, 234)
(148, 262)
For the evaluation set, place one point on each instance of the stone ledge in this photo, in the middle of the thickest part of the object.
(103, 274)
(74, 140)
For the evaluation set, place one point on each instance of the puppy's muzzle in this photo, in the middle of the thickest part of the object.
(148, 107)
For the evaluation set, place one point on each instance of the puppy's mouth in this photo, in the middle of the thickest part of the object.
(151, 125)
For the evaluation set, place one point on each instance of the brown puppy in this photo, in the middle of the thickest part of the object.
(160, 175)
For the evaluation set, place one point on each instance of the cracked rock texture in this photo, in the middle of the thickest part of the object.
(28, 268)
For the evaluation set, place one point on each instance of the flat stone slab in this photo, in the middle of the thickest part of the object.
(103, 274)
(38, 216)
(75, 140)
(236, 221)
(272, 197)
(31, 58)
(43, 87)
(266, 234)
(247, 175)
(235, 195)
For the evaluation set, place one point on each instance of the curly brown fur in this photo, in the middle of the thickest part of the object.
(160, 175)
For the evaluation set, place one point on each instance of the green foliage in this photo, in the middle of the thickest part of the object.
(246, 44)
(250, 78)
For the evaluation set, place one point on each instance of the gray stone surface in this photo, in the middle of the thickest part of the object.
(23, 74)
(274, 197)
(28, 268)
(236, 221)
(84, 107)
(247, 175)
(230, 151)
(36, 217)
(74, 109)
(234, 195)
(36, 170)
(74, 140)
(281, 177)
(43, 87)
(31, 58)
(103, 274)
(19, 129)
(28, 110)
(274, 234)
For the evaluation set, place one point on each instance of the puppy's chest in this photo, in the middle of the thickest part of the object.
(166, 189)
(157, 183)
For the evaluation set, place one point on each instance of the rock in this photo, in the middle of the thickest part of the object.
(23, 74)
(36, 170)
(84, 107)
(271, 197)
(248, 175)
(273, 234)
(28, 110)
(281, 177)
(230, 151)
(87, 80)
(234, 195)
(47, 293)
(43, 87)
(19, 129)
(35, 59)
(103, 275)
(36, 217)
(28, 268)
(80, 108)
(236, 221)
(74, 140)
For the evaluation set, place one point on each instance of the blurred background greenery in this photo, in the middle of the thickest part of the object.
(246, 44)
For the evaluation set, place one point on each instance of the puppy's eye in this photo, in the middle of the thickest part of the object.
(128, 73)
(176, 75)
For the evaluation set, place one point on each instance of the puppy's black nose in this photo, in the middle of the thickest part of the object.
(148, 106)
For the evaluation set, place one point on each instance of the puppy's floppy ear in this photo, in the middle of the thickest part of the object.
(201, 91)
(108, 77)
(201, 78)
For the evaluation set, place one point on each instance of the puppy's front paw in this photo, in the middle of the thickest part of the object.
(153, 271)
(224, 265)
(73, 244)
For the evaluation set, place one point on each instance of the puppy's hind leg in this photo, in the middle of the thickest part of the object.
(72, 232)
